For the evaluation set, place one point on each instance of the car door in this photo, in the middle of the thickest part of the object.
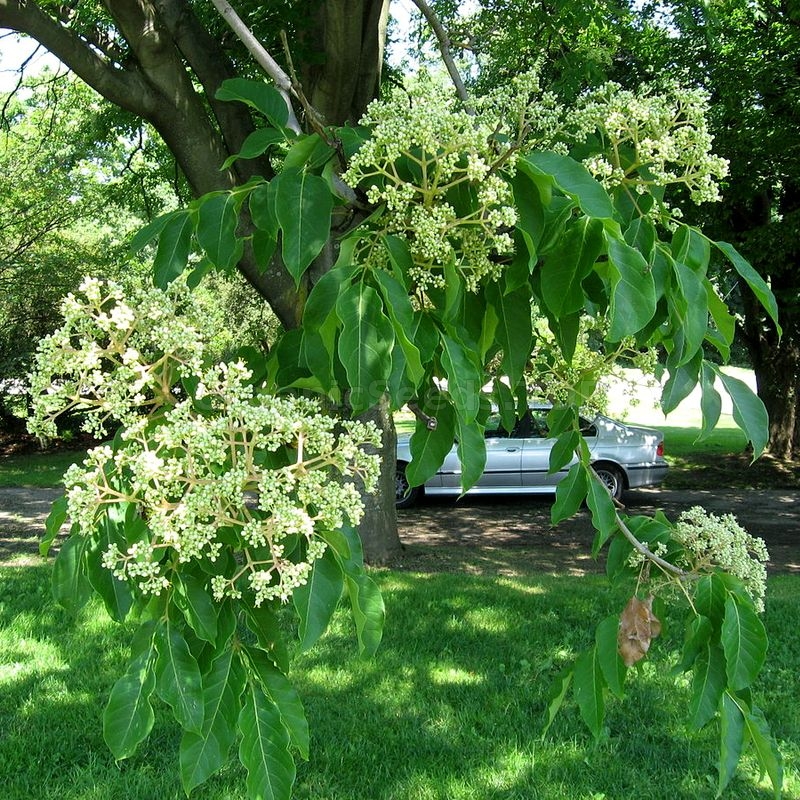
(536, 452)
(503, 460)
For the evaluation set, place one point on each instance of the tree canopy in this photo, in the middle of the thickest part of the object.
(402, 242)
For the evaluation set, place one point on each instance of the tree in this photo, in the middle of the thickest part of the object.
(744, 55)
(164, 63)
(462, 213)
(65, 210)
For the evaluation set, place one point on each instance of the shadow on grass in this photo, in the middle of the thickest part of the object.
(450, 708)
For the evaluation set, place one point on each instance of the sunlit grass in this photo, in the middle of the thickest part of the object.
(37, 469)
(449, 709)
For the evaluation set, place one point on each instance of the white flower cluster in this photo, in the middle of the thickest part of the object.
(650, 139)
(436, 170)
(115, 357)
(255, 473)
(230, 475)
(711, 542)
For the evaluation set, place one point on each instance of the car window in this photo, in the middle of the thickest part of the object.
(532, 425)
(494, 427)
(588, 429)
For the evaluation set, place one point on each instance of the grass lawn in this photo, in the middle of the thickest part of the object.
(450, 708)
(37, 469)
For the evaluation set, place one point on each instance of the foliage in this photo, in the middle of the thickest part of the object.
(461, 228)
(719, 569)
(75, 182)
(162, 530)
(743, 53)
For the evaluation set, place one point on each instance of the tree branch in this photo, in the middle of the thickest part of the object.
(444, 48)
(117, 85)
(282, 81)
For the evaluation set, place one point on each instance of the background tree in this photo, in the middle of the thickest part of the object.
(65, 210)
(745, 56)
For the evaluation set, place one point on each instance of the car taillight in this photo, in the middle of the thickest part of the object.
(660, 449)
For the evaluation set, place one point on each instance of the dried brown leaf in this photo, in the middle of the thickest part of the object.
(637, 628)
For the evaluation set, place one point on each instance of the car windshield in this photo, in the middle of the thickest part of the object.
(533, 425)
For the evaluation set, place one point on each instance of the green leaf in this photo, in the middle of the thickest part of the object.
(368, 611)
(430, 447)
(303, 204)
(264, 247)
(709, 598)
(766, 751)
(217, 219)
(528, 203)
(694, 314)
(174, 245)
(264, 622)
(152, 229)
(680, 383)
(514, 332)
(264, 749)
(128, 717)
(633, 299)
(698, 635)
(744, 640)
(322, 299)
(203, 754)
(611, 664)
(316, 601)
(262, 209)
(71, 587)
(708, 683)
(749, 412)
(692, 248)
(753, 279)
(641, 235)
(588, 690)
(724, 321)
(471, 452)
(178, 680)
(570, 493)
(285, 697)
(401, 313)
(617, 559)
(365, 345)
(710, 402)
(556, 695)
(116, 594)
(563, 450)
(311, 151)
(256, 144)
(731, 731)
(574, 180)
(568, 264)
(463, 378)
(52, 525)
(197, 606)
(259, 95)
(604, 515)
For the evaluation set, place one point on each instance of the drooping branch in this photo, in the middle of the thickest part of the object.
(282, 81)
(444, 48)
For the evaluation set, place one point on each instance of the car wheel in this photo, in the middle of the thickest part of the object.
(405, 494)
(612, 479)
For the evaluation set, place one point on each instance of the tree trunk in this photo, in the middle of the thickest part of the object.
(776, 364)
(379, 527)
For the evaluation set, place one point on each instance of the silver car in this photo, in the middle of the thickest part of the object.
(624, 456)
